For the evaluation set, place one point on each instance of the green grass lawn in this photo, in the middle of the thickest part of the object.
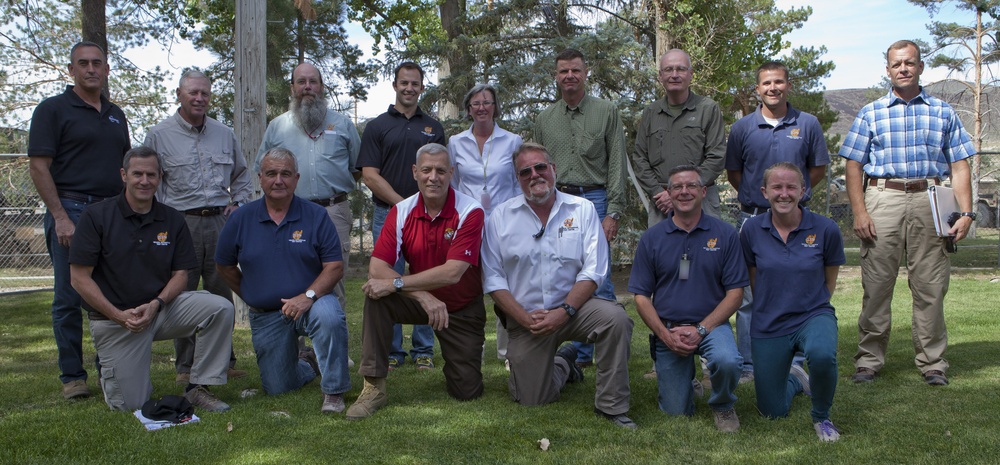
(898, 419)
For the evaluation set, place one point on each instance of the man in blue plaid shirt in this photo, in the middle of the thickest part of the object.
(898, 146)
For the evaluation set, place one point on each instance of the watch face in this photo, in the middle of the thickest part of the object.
(311, 294)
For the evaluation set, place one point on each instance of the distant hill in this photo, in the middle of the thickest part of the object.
(847, 103)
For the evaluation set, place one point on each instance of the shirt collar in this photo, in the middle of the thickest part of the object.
(155, 212)
(806, 223)
(294, 210)
(186, 125)
(77, 101)
(893, 99)
(580, 107)
(789, 119)
(394, 112)
(446, 212)
(671, 227)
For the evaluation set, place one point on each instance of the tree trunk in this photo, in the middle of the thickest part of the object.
(451, 11)
(95, 28)
(249, 80)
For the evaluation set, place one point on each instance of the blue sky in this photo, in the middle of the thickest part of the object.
(855, 32)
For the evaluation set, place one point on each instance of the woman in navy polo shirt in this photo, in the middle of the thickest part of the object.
(793, 256)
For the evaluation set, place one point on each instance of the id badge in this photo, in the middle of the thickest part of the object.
(484, 199)
(685, 268)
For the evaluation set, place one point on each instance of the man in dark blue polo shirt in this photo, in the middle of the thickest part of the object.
(388, 152)
(774, 133)
(76, 144)
(129, 262)
(688, 277)
(281, 254)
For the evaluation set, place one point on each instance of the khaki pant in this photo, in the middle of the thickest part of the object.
(903, 223)
(536, 377)
(461, 342)
(125, 356)
(340, 213)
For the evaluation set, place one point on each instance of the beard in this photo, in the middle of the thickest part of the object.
(309, 114)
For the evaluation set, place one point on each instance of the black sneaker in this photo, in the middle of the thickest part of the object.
(568, 353)
(621, 419)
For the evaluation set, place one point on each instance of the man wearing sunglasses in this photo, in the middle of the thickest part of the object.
(543, 257)
(586, 140)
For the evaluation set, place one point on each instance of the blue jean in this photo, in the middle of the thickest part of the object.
(817, 338)
(422, 337)
(275, 341)
(674, 373)
(584, 351)
(67, 317)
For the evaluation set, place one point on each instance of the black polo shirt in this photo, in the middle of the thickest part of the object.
(390, 143)
(87, 147)
(133, 255)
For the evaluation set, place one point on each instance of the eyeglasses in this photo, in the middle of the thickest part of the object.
(680, 187)
(671, 69)
(485, 104)
(539, 168)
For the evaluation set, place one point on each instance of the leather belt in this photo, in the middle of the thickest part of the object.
(577, 190)
(908, 186)
(327, 202)
(96, 316)
(205, 211)
(753, 210)
(78, 197)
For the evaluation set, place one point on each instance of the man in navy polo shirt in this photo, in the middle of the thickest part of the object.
(281, 254)
(688, 277)
(438, 232)
(388, 151)
(76, 144)
(129, 262)
(774, 133)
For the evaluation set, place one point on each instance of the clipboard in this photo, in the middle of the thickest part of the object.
(943, 204)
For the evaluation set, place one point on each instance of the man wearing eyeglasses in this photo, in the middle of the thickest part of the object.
(543, 257)
(680, 129)
(688, 277)
(586, 140)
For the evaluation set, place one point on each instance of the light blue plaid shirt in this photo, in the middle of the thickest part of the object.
(893, 138)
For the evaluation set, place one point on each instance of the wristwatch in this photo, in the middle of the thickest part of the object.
(701, 330)
(570, 310)
(398, 283)
(615, 216)
(972, 215)
(311, 294)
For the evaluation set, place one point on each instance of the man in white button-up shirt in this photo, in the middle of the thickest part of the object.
(543, 256)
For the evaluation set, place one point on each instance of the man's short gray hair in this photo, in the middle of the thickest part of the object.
(193, 74)
(279, 154)
(683, 168)
(141, 152)
(532, 146)
(431, 149)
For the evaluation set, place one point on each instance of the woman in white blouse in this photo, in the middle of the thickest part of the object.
(484, 168)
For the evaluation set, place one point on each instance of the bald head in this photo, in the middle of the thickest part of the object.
(306, 71)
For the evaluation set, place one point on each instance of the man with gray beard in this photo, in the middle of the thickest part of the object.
(326, 145)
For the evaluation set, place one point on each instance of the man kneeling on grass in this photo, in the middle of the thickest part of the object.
(282, 255)
(544, 283)
(438, 231)
(129, 260)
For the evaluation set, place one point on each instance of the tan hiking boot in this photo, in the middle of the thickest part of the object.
(75, 389)
(372, 398)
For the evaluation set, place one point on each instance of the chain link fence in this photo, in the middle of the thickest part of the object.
(25, 265)
(24, 260)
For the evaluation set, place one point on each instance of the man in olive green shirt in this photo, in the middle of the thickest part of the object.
(585, 138)
(679, 129)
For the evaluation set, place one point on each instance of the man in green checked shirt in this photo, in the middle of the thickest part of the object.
(585, 138)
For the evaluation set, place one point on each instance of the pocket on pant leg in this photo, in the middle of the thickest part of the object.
(112, 389)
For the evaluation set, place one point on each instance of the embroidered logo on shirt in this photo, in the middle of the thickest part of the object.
(710, 245)
(161, 238)
(330, 127)
(567, 226)
(296, 237)
(794, 134)
(427, 131)
(468, 252)
(449, 234)
(810, 241)
(113, 119)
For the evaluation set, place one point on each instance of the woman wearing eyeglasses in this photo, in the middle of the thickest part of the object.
(484, 169)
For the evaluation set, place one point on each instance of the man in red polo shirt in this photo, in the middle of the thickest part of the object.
(438, 232)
